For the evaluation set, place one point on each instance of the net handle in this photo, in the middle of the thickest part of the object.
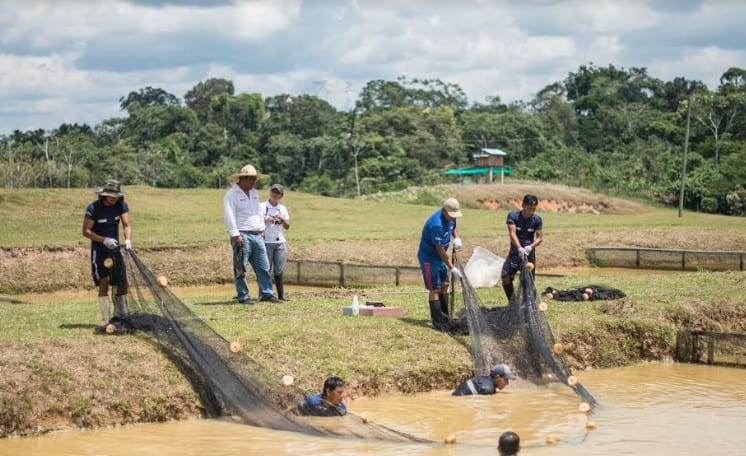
(452, 299)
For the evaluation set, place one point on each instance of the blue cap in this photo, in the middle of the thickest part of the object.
(502, 370)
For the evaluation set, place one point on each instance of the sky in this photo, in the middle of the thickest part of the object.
(70, 61)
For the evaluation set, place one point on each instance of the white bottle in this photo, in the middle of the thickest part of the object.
(355, 306)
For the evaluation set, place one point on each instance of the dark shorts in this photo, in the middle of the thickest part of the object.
(117, 273)
(434, 273)
(513, 264)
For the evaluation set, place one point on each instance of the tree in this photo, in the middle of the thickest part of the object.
(733, 80)
(492, 103)
(240, 116)
(199, 97)
(147, 97)
(717, 112)
(380, 95)
(73, 147)
(556, 114)
(153, 123)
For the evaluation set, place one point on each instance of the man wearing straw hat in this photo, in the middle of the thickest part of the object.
(246, 227)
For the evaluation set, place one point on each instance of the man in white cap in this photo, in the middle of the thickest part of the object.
(246, 226)
(101, 226)
(434, 260)
(500, 376)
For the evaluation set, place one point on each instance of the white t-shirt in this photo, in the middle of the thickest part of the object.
(241, 211)
(274, 232)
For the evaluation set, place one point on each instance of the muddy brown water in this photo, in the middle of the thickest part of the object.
(659, 408)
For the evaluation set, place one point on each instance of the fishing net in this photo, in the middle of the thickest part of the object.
(517, 334)
(228, 381)
(586, 293)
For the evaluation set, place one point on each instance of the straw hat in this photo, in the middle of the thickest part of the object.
(248, 171)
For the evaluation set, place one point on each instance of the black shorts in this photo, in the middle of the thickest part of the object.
(513, 264)
(117, 273)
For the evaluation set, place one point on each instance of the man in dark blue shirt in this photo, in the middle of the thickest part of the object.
(525, 230)
(434, 261)
(327, 403)
(499, 378)
(101, 226)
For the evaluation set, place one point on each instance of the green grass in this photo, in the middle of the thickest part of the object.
(193, 218)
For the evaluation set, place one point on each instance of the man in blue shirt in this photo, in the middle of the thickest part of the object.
(499, 378)
(328, 402)
(525, 231)
(434, 261)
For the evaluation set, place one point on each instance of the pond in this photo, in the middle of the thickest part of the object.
(657, 408)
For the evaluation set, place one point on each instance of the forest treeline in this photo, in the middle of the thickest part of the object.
(609, 129)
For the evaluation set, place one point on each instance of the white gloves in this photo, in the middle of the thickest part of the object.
(111, 243)
(457, 244)
(456, 272)
(522, 251)
(528, 249)
(128, 244)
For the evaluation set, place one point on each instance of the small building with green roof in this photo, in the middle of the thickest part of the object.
(488, 163)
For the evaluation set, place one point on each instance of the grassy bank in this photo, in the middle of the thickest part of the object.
(55, 373)
(180, 233)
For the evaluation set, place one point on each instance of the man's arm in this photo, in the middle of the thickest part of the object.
(514, 236)
(285, 217)
(444, 256)
(126, 226)
(229, 216)
(88, 230)
(538, 238)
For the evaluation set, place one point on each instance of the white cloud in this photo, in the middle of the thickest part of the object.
(43, 25)
(605, 48)
(703, 64)
(70, 61)
(611, 16)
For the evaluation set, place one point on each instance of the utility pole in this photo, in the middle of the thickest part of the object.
(686, 149)
(352, 142)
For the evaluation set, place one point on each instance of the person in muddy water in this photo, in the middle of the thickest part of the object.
(525, 230)
(327, 403)
(499, 378)
(509, 444)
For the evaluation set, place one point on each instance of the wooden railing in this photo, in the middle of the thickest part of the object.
(728, 349)
(341, 274)
(641, 257)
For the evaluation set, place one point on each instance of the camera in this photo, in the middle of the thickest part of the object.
(277, 222)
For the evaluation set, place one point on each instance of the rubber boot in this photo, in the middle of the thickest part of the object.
(120, 306)
(444, 303)
(104, 304)
(280, 287)
(438, 318)
(509, 290)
